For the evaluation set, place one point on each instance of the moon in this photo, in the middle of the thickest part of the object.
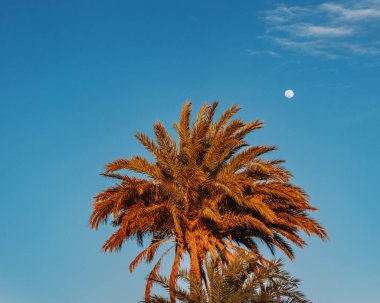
(289, 93)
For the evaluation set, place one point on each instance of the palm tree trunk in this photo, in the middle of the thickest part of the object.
(174, 272)
(195, 275)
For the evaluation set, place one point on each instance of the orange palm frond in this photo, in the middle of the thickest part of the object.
(209, 192)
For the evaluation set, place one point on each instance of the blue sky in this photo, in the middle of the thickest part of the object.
(79, 78)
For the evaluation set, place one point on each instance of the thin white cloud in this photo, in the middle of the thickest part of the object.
(331, 29)
(271, 53)
(315, 47)
(352, 14)
(311, 30)
(327, 31)
(357, 49)
(283, 14)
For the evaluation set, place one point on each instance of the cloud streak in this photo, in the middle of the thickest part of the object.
(311, 30)
(352, 14)
(332, 29)
(270, 53)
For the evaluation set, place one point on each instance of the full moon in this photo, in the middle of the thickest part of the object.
(289, 93)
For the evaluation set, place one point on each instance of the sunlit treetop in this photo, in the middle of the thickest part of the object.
(209, 192)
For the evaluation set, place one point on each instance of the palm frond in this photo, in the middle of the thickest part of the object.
(210, 192)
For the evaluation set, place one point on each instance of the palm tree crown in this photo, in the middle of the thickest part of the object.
(210, 193)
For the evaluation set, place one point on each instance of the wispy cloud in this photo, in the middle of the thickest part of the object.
(312, 47)
(271, 53)
(353, 14)
(331, 29)
(325, 31)
(311, 30)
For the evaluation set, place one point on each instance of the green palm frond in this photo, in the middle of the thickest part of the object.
(246, 280)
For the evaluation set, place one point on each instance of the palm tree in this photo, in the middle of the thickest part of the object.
(243, 281)
(209, 193)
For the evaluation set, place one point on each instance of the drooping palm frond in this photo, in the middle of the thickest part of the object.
(208, 193)
(245, 280)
